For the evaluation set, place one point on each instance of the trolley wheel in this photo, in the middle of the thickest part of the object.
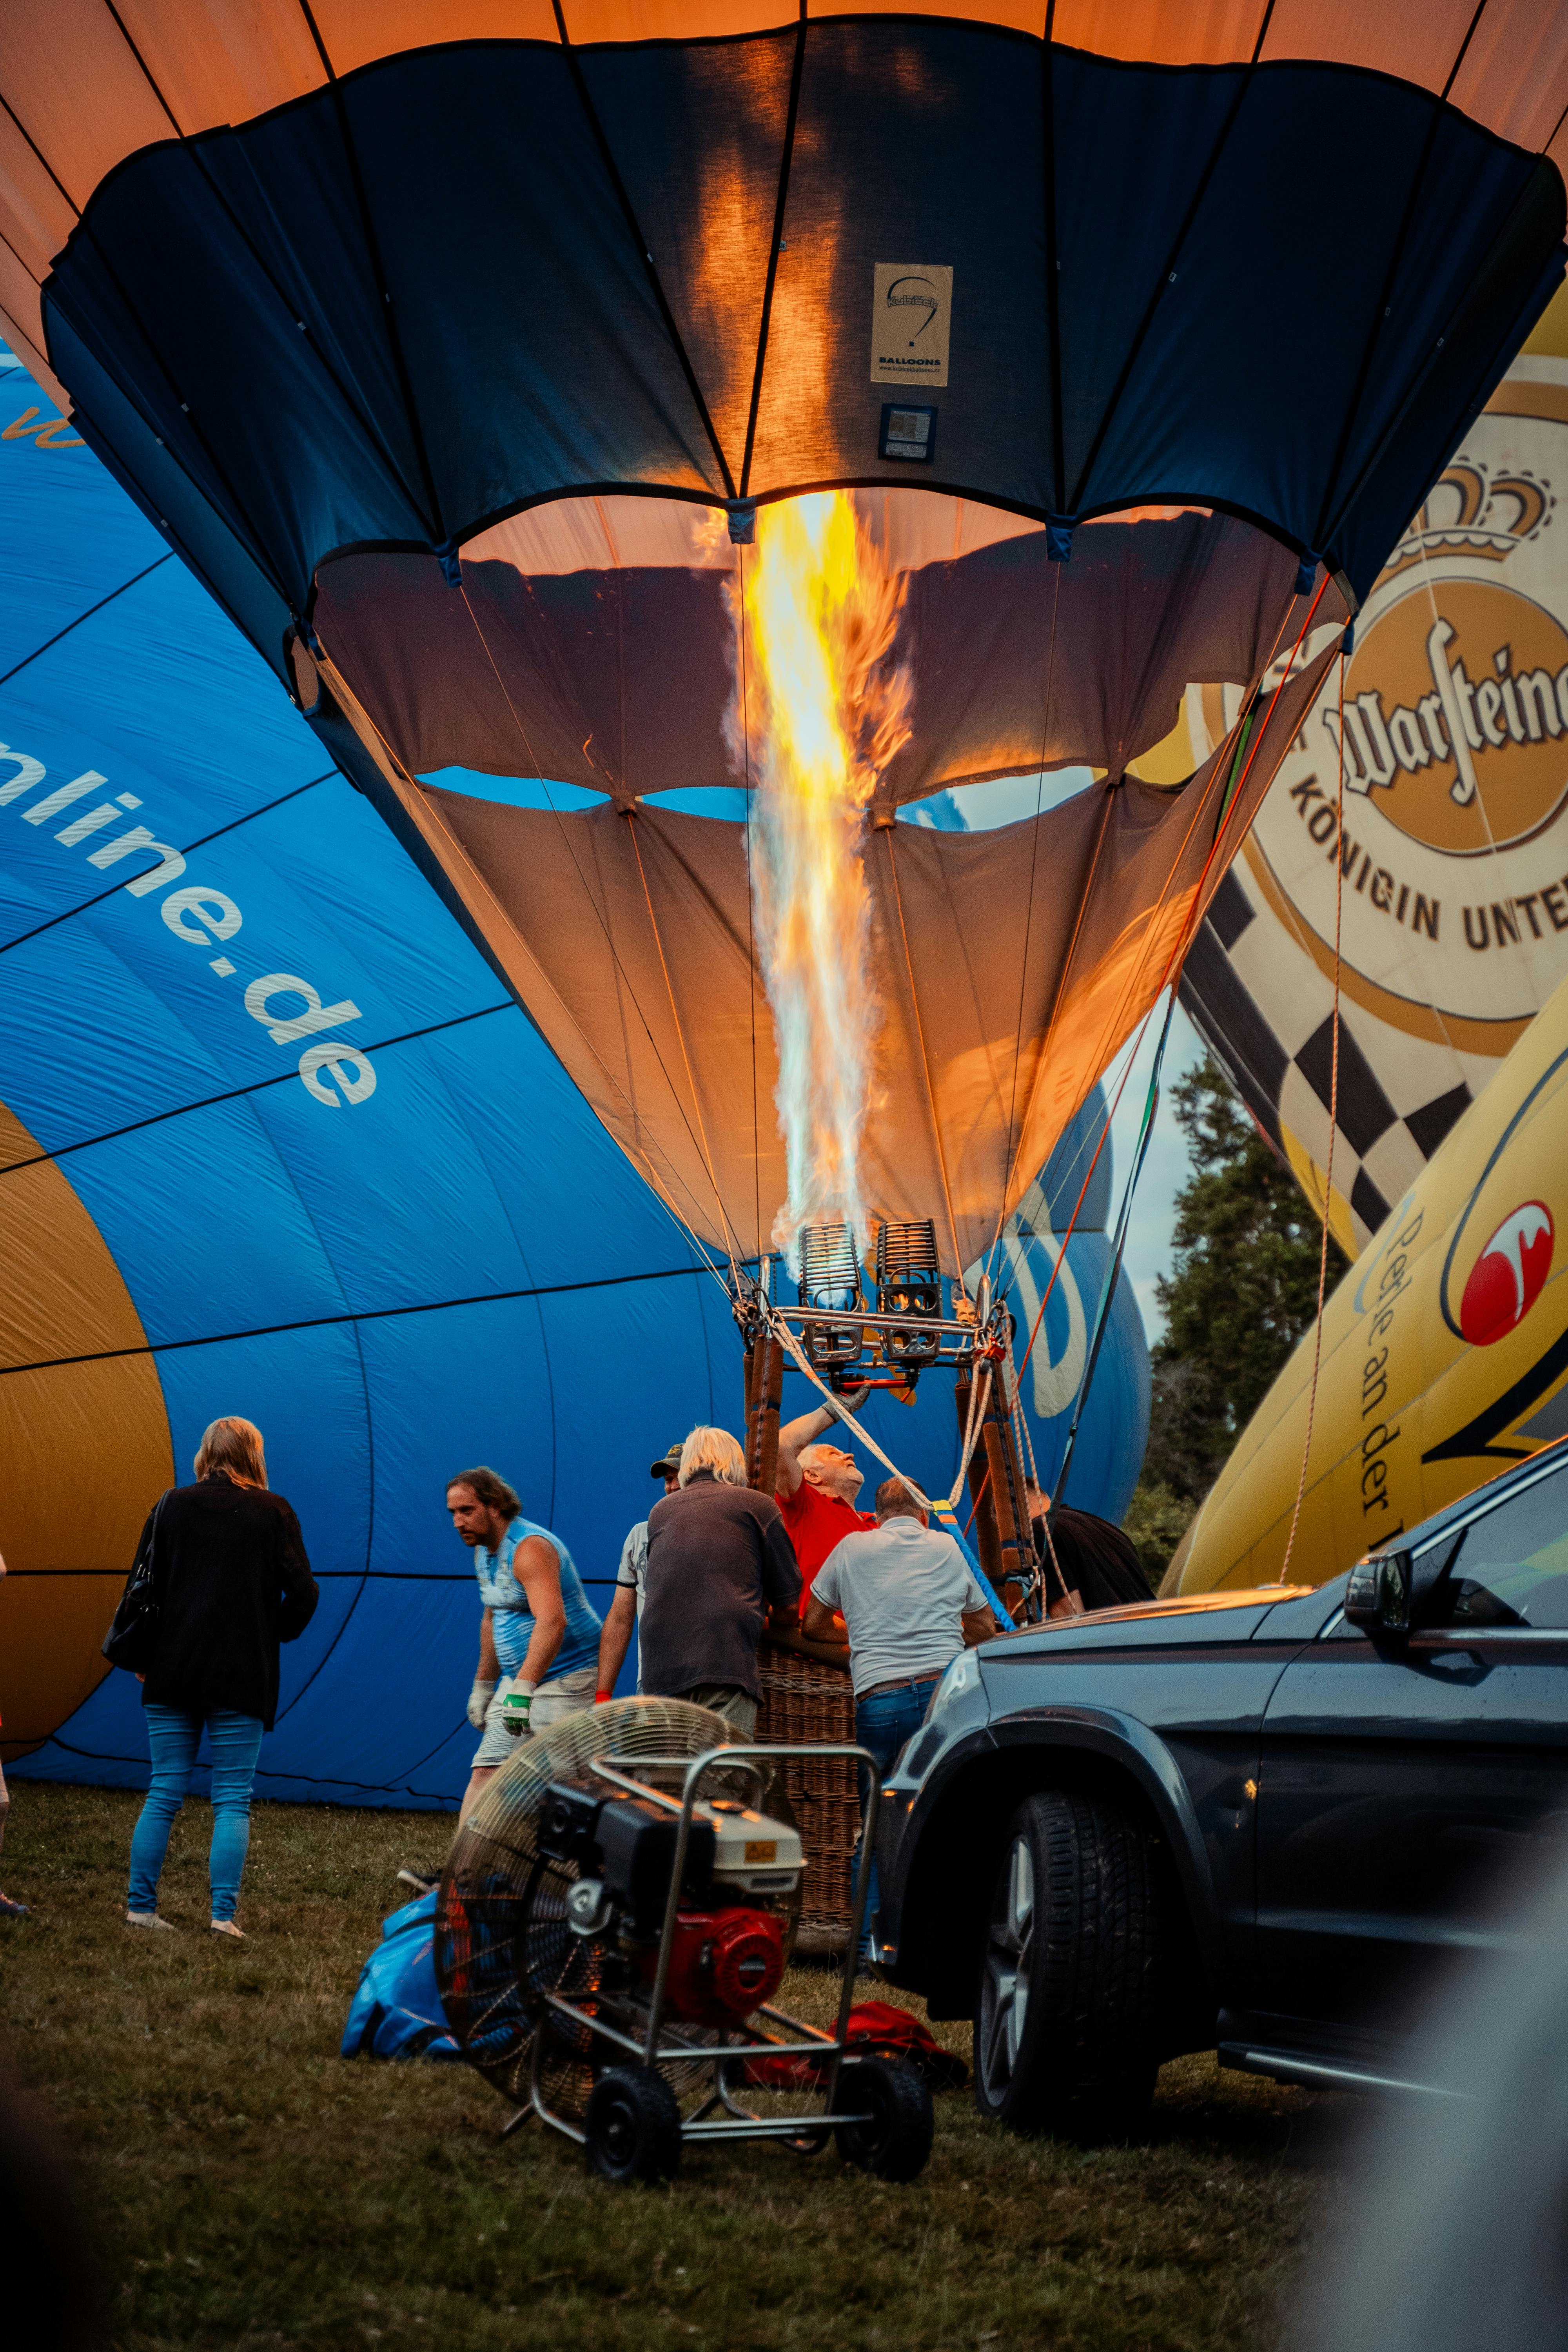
(896, 2141)
(632, 2127)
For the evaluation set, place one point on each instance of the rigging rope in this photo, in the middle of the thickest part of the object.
(1333, 1131)
(1011, 1152)
(620, 968)
(925, 1063)
(980, 1390)
(395, 768)
(680, 1038)
(1119, 1244)
(1230, 800)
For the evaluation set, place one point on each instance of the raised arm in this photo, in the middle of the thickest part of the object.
(796, 1435)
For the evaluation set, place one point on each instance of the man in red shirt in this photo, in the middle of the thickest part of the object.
(817, 1489)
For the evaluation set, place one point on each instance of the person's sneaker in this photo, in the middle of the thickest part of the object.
(149, 1920)
(227, 1927)
(417, 1879)
(9, 1910)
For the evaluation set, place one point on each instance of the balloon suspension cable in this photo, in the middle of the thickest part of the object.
(395, 770)
(979, 1393)
(1333, 1131)
(1172, 972)
(685, 1223)
(1232, 750)
(925, 1060)
(680, 1040)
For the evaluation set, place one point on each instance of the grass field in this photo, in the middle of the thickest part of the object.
(251, 2190)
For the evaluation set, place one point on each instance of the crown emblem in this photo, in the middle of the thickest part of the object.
(1472, 511)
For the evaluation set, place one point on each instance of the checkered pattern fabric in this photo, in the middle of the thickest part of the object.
(1265, 1012)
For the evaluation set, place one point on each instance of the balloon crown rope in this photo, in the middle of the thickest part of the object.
(838, 1340)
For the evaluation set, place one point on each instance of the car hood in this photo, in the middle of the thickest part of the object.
(1187, 1618)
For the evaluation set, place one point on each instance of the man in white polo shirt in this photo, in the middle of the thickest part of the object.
(909, 1603)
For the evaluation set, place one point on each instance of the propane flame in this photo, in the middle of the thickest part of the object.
(827, 714)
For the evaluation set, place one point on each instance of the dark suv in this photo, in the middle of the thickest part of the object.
(1262, 1821)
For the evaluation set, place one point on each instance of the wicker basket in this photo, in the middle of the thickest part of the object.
(804, 1699)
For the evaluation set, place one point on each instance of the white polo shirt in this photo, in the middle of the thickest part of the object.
(903, 1589)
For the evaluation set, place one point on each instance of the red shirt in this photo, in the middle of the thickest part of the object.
(816, 1522)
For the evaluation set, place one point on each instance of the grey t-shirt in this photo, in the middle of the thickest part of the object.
(902, 1588)
(632, 1575)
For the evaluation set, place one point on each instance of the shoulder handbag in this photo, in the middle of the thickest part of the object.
(130, 1639)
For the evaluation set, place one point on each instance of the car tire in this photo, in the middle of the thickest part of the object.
(1066, 2019)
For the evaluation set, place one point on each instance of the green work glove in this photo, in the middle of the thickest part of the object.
(516, 1707)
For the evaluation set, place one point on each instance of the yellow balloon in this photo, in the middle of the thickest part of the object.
(1445, 1348)
(85, 1449)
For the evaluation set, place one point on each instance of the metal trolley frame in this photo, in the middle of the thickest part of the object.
(664, 2043)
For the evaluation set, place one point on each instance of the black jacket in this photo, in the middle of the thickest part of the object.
(1096, 1560)
(232, 1581)
(717, 1555)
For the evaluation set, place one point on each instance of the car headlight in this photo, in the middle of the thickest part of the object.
(962, 1676)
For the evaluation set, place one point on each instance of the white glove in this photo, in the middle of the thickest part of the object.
(479, 1698)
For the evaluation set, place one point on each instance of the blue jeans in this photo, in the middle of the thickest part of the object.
(883, 1722)
(174, 1736)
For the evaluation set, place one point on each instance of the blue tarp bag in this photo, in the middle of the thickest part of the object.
(396, 2011)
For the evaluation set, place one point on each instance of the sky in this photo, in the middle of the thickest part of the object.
(1165, 1169)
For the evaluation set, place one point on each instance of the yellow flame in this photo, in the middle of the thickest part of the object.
(824, 714)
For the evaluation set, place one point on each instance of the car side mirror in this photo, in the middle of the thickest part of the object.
(1378, 1597)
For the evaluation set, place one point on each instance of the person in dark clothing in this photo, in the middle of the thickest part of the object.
(231, 1581)
(1087, 1563)
(719, 1560)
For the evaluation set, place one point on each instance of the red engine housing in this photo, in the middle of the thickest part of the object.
(722, 1965)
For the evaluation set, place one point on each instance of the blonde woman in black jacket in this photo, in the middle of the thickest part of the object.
(231, 1581)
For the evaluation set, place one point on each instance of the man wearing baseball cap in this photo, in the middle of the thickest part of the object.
(630, 1583)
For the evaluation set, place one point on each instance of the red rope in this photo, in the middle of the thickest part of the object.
(979, 1494)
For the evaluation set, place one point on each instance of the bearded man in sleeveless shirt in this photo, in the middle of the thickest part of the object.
(539, 1635)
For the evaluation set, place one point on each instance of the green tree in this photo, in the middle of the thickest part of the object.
(1243, 1289)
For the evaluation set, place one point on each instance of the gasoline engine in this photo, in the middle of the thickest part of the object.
(727, 1951)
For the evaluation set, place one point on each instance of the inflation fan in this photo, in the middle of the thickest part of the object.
(614, 1919)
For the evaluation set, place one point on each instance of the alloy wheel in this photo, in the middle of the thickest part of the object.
(1009, 1956)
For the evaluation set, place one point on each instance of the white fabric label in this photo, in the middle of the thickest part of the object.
(911, 318)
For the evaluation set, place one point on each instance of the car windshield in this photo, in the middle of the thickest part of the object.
(1510, 1567)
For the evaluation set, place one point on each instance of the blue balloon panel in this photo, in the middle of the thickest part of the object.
(349, 1190)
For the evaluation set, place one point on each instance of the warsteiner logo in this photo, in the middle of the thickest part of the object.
(1509, 1276)
(1455, 716)
(1448, 876)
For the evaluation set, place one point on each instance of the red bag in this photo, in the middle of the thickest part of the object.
(876, 2026)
